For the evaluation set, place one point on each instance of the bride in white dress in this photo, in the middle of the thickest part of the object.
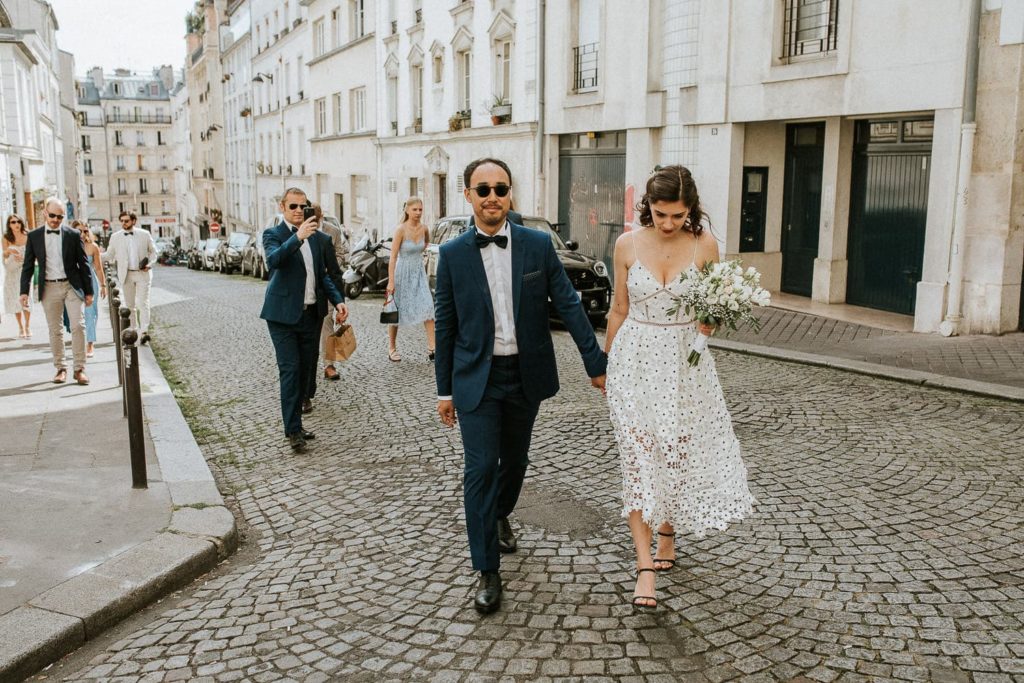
(681, 465)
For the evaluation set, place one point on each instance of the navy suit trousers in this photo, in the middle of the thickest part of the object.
(496, 438)
(296, 347)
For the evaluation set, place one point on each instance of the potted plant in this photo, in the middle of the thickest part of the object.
(246, 112)
(454, 123)
(501, 111)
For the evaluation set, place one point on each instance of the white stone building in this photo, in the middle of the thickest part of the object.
(282, 111)
(342, 89)
(203, 78)
(827, 148)
(31, 146)
(239, 165)
(181, 159)
(71, 137)
(456, 81)
(125, 122)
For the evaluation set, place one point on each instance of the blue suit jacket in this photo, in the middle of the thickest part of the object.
(76, 262)
(464, 318)
(283, 302)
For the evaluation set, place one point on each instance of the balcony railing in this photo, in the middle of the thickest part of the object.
(138, 118)
(584, 58)
(809, 27)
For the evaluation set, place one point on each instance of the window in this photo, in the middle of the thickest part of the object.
(117, 88)
(86, 144)
(141, 162)
(321, 116)
(122, 186)
(302, 151)
(154, 89)
(503, 70)
(143, 186)
(416, 78)
(118, 138)
(121, 207)
(358, 97)
(119, 163)
(465, 75)
(438, 67)
(87, 166)
(585, 53)
(335, 29)
(358, 18)
(337, 113)
(392, 94)
(809, 27)
(160, 138)
(298, 77)
(165, 207)
(164, 186)
(90, 190)
(319, 44)
(144, 208)
(140, 138)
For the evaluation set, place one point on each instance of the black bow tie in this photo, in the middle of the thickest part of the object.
(483, 240)
(53, 232)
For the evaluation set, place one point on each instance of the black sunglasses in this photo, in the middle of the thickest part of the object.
(293, 207)
(500, 190)
(56, 215)
(13, 221)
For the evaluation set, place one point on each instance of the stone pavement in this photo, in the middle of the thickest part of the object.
(989, 364)
(886, 542)
(79, 547)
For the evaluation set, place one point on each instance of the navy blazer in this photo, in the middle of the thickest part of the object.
(464, 318)
(286, 291)
(76, 261)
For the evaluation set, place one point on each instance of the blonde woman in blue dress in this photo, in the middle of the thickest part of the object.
(681, 465)
(407, 278)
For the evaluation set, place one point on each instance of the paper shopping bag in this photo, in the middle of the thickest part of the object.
(341, 345)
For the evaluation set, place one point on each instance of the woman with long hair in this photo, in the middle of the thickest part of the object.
(15, 236)
(93, 253)
(407, 279)
(680, 459)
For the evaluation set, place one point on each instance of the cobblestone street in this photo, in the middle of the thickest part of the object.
(887, 542)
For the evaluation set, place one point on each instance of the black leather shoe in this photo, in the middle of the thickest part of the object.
(297, 442)
(308, 436)
(506, 539)
(488, 593)
(307, 406)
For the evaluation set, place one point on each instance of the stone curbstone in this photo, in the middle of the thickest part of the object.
(31, 638)
(215, 524)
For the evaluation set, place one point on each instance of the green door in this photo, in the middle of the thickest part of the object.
(888, 212)
(801, 205)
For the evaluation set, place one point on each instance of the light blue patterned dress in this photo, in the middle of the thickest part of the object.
(412, 291)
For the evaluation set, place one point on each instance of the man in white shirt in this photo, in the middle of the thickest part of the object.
(134, 252)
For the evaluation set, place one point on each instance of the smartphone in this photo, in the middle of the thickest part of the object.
(307, 213)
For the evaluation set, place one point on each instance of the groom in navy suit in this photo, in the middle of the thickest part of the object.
(295, 304)
(495, 359)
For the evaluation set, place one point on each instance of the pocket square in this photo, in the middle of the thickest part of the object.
(529, 277)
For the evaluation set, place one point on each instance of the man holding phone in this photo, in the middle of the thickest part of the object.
(133, 250)
(295, 304)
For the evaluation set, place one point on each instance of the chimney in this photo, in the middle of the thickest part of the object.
(166, 75)
(192, 42)
(211, 19)
(96, 75)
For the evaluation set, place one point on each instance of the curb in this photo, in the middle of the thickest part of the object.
(928, 379)
(200, 534)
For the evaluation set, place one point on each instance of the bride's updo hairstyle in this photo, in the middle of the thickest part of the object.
(671, 184)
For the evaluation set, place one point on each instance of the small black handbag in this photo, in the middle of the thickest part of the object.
(389, 316)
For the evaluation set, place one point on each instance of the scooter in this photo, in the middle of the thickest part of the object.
(367, 267)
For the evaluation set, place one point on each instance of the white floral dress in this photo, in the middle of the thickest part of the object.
(680, 458)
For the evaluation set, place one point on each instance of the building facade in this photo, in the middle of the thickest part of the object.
(71, 138)
(181, 158)
(281, 107)
(31, 144)
(204, 80)
(829, 151)
(456, 81)
(239, 166)
(125, 123)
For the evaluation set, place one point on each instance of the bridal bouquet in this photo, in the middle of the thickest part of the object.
(721, 294)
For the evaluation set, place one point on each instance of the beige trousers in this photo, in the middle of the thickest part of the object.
(326, 330)
(136, 298)
(57, 296)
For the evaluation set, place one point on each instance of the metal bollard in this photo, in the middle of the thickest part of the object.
(125, 326)
(115, 327)
(133, 394)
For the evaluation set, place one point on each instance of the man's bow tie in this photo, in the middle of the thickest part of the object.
(53, 232)
(483, 240)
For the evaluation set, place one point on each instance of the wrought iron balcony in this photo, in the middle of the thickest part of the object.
(584, 58)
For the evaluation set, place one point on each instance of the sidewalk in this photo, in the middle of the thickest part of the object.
(981, 364)
(80, 549)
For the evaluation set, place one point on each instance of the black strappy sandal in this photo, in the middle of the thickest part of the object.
(638, 606)
(671, 563)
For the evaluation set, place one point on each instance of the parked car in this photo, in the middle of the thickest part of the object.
(195, 255)
(228, 257)
(209, 251)
(588, 275)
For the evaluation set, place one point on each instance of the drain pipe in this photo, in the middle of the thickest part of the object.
(950, 326)
(540, 186)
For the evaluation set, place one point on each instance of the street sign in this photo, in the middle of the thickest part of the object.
(214, 227)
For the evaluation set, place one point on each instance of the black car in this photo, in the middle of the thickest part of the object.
(588, 275)
(228, 256)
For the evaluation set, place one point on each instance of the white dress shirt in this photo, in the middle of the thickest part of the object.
(498, 267)
(133, 252)
(307, 258)
(54, 256)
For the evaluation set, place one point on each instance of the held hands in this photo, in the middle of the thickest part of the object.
(88, 299)
(308, 227)
(342, 313)
(598, 383)
(446, 410)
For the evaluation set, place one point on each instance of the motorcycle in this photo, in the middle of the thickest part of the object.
(367, 267)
